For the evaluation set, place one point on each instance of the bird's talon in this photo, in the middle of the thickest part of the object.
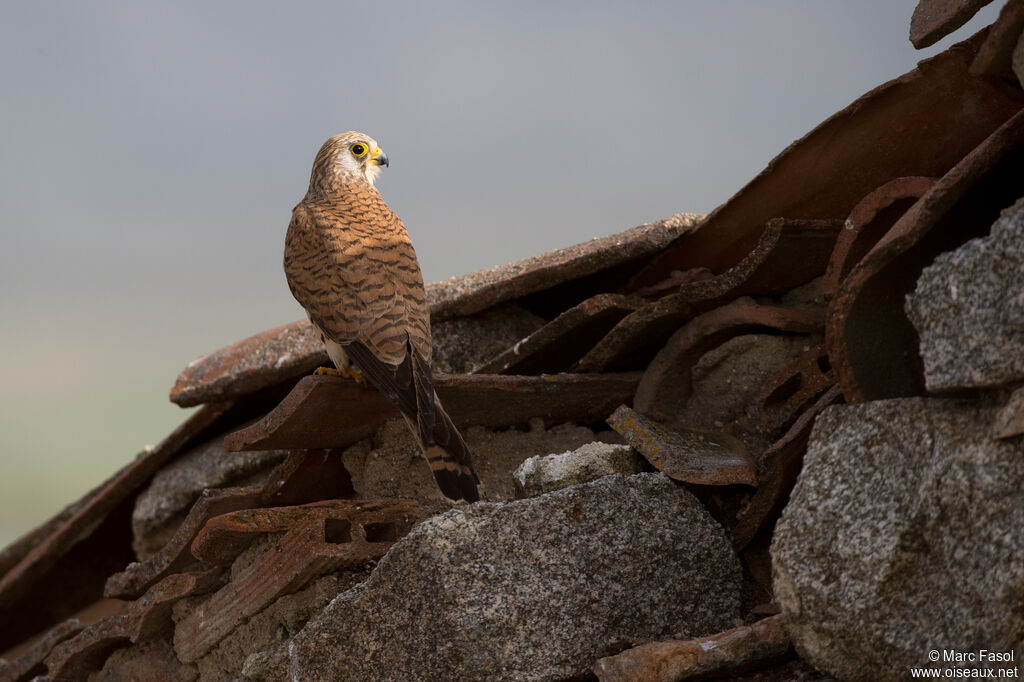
(328, 371)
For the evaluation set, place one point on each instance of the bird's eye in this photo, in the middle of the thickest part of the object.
(358, 149)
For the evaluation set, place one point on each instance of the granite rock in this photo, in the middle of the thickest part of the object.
(968, 309)
(904, 534)
(464, 343)
(548, 473)
(535, 589)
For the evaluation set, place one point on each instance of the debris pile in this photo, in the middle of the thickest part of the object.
(640, 408)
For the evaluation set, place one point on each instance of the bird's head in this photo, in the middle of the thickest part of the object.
(346, 158)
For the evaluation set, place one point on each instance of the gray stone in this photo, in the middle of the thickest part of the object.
(903, 535)
(545, 474)
(464, 343)
(535, 589)
(728, 380)
(968, 309)
(175, 488)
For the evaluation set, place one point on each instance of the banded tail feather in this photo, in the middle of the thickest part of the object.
(410, 387)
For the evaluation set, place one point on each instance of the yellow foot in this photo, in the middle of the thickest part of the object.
(347, 373)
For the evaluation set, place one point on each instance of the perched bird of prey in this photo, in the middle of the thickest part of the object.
(351, 265)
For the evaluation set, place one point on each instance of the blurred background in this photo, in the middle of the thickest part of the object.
(152, 152)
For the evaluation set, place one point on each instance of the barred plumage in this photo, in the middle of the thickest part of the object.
(350, 263)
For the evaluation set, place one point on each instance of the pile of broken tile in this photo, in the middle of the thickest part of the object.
(757, 443)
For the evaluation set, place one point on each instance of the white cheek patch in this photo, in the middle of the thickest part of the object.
(370, 171)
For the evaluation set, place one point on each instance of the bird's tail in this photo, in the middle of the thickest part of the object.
(450, 460)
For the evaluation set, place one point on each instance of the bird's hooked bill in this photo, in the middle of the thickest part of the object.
(380, 158)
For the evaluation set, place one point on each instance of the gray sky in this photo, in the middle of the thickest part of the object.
(152, 152)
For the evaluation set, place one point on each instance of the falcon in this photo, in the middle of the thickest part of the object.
(350, 263)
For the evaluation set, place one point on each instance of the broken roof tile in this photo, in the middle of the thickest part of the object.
(935, 19)
(637, 337)
(688, 456)
(721, 655)
(778, 469)
(29, 661)
(558, 344)
(331, 412)
(995, 56)
(665, 386)
(790, 392)
(871, 218)
(66, 570)
(267, 358)
(476, 291)
(870, 341)
(143, 620)
(176, 555)
(921, 123)
(320, 539)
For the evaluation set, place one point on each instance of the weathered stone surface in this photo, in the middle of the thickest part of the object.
(736, 650)
(963, 309)
(1010, 422)
(535, 589)
(175, 488)
(464, 344)
(588, 462)
(904, 534)
(705, 458)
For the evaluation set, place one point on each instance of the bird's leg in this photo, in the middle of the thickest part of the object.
(346, 372)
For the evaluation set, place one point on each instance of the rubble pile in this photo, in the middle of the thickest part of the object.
(757, 443)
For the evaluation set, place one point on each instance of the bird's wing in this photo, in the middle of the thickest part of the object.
(351, 265)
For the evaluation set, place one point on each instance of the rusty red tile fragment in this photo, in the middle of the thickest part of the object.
(479, 290)
(665, 386)
(637, 337)
(176, 556)
(995, 56)
(870, 341)
(267, 358)
(29, 663)
(226, 536)
(325, 538)
(921, 123)
(727, 653)
(689, 456)
(790, 392)
(558, 344)
(778, 469)
(871, 218)
(933, 20)
(319, 412)
(66, 571)
(789, 253)
(305, 476)
(1010, 420)
(143, 620)
(329, 412)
